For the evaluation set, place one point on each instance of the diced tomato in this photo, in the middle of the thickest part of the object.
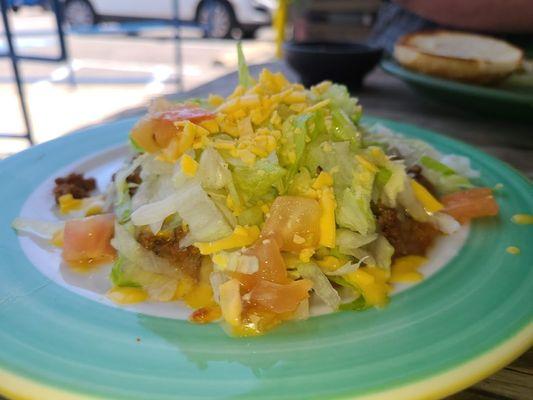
(271, 264)
(469, 204)
(142, 135)
(270, 289)
(294, 223)
(186, 112)
(87, 241)
(280, 298)
(157, 130)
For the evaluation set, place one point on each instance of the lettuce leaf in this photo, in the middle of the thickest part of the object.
(294, 134)
(358, 304)
(442, 177)
(353, 203)
(119, 275)
(158, 286)
(321, 285)
(245, 79)
(206, 222)
(347, 240)
(122, 204)
(213, 170)
(382, 251)
(344, 129)
(333, 157)
(43, 229)
(341, 99)
(261, 181)
(126, 245)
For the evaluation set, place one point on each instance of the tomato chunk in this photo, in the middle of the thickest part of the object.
(87, 241)
(157, 130)
(294, 223)
(280, 298)
(469, 204)
(184, 112)
(271, 264)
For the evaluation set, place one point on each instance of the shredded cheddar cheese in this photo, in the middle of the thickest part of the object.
(68, 203)
(242, 236)
(430, 203)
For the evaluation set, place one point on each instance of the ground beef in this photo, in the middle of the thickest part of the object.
(167, 246)
(134, 177)
(415, 172)
(74, 184)
(407, 236)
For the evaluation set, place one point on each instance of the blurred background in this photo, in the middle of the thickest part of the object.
(83, 61)
(116, 59)
(120, 53)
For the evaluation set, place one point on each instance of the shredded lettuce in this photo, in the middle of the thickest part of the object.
(353, 209)
(355, 305)
(413, 207)
(236, 261)
(390, 178)
(358, 304)
(119, 274)
(43, 229)
(345, 269)
(347, 240)
(206, 222)
(382, 251)
(245, 79)
(159, 287)
(260, 181)
(343, 128)
(446, 223)
(138, 267)
(460, 165)
(135, 147)
(410, 149)
(217, 278)
(447, 173)
(156, 212)
(442, 177)
(382, 177)
(317, 124)
(191, 202)
(220, 200)
(321, 285)
(436, 166)
(213, 170)
(333, 157)
(294, 134)
(123, 204)
(251, 216)
(300, 183)
(126, 245)
(341, 99)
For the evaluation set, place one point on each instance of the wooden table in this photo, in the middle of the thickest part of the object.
(388, 97)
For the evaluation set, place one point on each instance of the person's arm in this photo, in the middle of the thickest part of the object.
(512, 16)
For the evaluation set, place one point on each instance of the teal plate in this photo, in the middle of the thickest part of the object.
(463, 323)
(505, 100)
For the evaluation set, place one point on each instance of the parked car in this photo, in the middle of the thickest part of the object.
(16, 4)
(218, 18)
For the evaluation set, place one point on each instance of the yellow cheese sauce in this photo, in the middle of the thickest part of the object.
(405, 269)
(512, 250)
(522, 219)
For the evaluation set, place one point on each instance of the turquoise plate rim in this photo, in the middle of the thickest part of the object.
(89, 350)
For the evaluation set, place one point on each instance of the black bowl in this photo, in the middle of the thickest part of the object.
(345, 63)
